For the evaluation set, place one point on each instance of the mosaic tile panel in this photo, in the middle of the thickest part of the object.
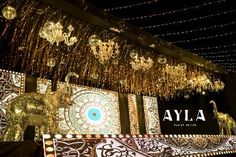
(151, 113)
(133, 114)
(94, 111)
(11, 85)
(43, 85)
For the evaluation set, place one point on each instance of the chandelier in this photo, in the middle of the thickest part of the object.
(140, 63)
(202, 83)
(218, 85)
(103, 51)
(54, 34)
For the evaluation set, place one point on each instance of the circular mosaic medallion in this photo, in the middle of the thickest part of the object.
(93, 112)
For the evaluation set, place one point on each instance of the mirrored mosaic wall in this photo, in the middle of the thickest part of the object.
(133, 114)
(94, 111)
(43, 85)
(151, 113)
(11, 85)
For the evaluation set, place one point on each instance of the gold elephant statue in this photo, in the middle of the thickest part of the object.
(38, 110)
(226, 123)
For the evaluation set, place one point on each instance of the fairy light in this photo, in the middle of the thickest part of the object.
(173, 11)
(194, 30)
(227, 65)
(212, 47)
(203, 38)
(224, 59)
(216, 52)
(188, 20)
(218, 56)
(219, 60)
(131, 5)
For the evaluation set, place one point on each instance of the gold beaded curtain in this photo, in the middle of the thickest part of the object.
(36, 56)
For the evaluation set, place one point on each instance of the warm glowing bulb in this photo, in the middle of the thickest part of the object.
(9, 12)
(162, 59)
(51, 62)
(94, 40)
(133, 54)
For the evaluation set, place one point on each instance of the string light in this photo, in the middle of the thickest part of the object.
(173, 11)
(213, 47)
(231, 67)
(194, 30)
(218, 56)
(223, 60)
(203, 38)
(217, 52)
(219, 60)
(226, 61)
(227, 65)
(131, 5)
(189, 20)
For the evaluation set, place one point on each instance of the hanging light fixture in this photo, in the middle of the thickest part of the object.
(9, 12)
(54, 34)
(94, 40)
(140, 63)
(102, 50)
(51, 62)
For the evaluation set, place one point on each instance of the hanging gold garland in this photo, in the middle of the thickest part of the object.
(30, 53)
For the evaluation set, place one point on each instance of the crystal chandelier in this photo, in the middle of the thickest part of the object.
(218, 85)
(140, 63)
(54, 34)
(103, 51)
(202, 83)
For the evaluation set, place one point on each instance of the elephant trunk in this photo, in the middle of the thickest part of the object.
(215, 110)
(67, 79)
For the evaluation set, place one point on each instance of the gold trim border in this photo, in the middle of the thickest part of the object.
(49, 149)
